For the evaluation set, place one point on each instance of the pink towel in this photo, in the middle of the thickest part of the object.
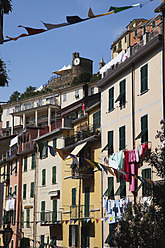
(132, 182)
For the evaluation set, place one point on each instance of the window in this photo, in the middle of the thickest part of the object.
(87, 200)
(25, 163)
(146, 187)
(43, 177)
(153, 24)
(110, 143)
(110, 190)
(111, 99)
(122, 138)
(24, 191)
(54, 216)
(96, 120)
(28, 217)
(55, 143)
(73, 236)
(53, 174)
(73, 196)
(111, 233)
(144, 29)
(144, 78)
(119, 45)
(92, 90)
(135, 33)
(122, 95)
(7, 124)
(32, 190)
(43, 211)
(144, 130)
(27, 120)
(125, 39)
(33, 161)
(122, 188)
(64, 97)
(114, 49)
(16, 163)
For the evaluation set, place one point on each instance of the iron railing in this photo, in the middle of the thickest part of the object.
(81, 211)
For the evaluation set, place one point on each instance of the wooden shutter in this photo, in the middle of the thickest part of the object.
(54, 174)
(111, 99)
(33, 161)
(32, 190)
(22, 219)
(73, 196)
(76, 236)
(70, 235)
(144, 78)
(122, 92)
(24, 191)
(11, 168)
(144, 128)
(54, 217)
(146, 189)
(55, 144)
(28, 217)
(46, 149)
(110, 142)
(25, 163)
(43, 177)
(43, 211)
(87, 199)
(122, 138)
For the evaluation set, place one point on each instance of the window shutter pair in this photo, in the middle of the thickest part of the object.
(53, 174)
(43, 177)
(111, 99)
(122, 138)
(33, 161)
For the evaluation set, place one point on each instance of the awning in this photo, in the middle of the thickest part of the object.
(53, 193)
(120, 97)
(140, 134)
(77, 149)
(14, 141)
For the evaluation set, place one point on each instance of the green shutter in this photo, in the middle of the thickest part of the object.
(24, 191)
(33, 161)
(121, 190)
(32, 190)
(110, 191)
(43, 211)
(22, 219)
(70, 235)
(146, 190)
(42, 239)
(87, 199)
(43, 177)
(53, 174)
(122, 92)
(28, 217)
(110, 142)
(111, 99)
(96, 120)
(122, 138)
(144, 78)
(25, 163)
(54, 217)
(46, 149)
(15, 189)
(73, 196)
(13, 217)
(12, 243)
(76, 236)
(55, 143)
(144, 128)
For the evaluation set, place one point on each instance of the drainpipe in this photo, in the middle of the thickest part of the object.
(79, 225)
(133, 119)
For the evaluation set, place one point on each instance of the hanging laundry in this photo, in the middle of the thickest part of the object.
(116, 160)
(137, 155)
(132, 182)
(126, 167)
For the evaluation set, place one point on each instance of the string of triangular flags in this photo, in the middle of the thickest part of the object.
(70, 21)
(86, 162)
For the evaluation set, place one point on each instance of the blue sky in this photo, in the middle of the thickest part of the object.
(31, 60)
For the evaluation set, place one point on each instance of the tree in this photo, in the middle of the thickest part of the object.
(4, 80)
(29, 92)
(142, 226)
(5, 6)
(15, 96)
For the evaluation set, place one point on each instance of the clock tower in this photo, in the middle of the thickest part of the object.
(80, 65)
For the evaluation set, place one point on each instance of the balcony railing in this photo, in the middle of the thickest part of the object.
(26, 146)
(56, 124)
(81, 211)
(50, 217)
(155, 32)
(81, 135)
(136, 47)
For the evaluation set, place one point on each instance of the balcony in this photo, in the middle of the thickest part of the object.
(81, 135)
(50, 218)
(26, 146)
(81, 211)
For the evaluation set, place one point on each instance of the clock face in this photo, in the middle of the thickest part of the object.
(77, 61)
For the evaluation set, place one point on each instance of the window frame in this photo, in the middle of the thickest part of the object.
(144, 79)
(121, 146)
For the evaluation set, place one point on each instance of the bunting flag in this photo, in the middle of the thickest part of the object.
(104, 168)
(94, 164)
(52, 151)
(109, 169)
(119, 9)
(60, 152)
(70, 21)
